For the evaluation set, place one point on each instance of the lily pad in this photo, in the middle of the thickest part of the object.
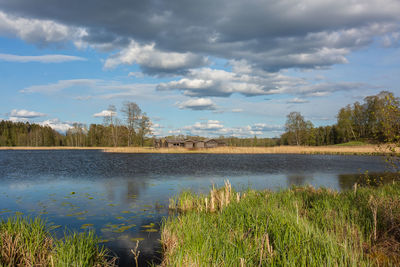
(86, 225)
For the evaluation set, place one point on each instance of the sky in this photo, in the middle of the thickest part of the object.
(209, 68)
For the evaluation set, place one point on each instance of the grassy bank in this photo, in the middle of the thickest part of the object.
(296, 227)
(29, 242)
(340, 150)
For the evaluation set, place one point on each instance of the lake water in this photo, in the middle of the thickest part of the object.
(124, 197)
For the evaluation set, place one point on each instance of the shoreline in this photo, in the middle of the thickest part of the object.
(328, 150)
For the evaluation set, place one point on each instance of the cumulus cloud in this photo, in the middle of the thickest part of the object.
(272, 35)
(23, 113)
(154, 61)
(249, 81)
(198, 104)
(217, 128)
(38, 31)
(41, 59)
(105, 113)
(57, 125)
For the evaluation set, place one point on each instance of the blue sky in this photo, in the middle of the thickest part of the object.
(203, 68)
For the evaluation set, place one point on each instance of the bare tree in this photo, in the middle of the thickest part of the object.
(132, 114)
(110, 120)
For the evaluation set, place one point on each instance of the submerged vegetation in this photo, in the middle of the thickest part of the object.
(30, 242)
(301, 226)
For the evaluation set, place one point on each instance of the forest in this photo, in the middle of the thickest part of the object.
(376, 120)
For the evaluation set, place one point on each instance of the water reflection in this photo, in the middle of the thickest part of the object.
(297, 179)
(123, 197)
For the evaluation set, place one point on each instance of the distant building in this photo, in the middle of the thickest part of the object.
(188, 143)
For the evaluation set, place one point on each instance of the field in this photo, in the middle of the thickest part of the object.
(301, 226)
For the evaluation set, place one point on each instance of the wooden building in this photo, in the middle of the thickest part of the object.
(188, 143)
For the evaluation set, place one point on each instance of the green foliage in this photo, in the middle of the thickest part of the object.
(376, 120)
(26, 134)
(301, 226)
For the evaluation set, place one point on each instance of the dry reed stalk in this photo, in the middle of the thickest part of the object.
(212, 200)
(355, 188)
(136, 253)
(374, 208)
(206, 202)
(221, 199)
(237, 197)
(242, 262)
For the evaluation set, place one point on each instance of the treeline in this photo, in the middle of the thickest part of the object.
(131, 130)
(376, 120)
(26, 134)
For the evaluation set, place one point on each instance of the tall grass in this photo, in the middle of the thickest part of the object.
(29, 242)
(301, 226)
(340, 150)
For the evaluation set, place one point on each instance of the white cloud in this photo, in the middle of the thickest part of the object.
(22, 113)
(41, 59)
(297, 100)
(216, 128)
(18, 119)
(250, 81)
(153, 60)
(105, 113)
(198, 104)
(60, 85)
(57, 125)
(237, 110)
(38, 31)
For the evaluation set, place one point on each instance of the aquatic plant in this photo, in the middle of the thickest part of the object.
(29, 242)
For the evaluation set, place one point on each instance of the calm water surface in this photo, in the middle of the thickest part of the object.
(123, 197)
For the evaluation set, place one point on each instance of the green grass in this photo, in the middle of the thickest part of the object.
(296, 227)
(30, 242)
(353, 143)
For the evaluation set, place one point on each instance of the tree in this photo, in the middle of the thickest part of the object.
(110, 120)
(144, 128)
(296, 128)
(345, 123)
(132, 114)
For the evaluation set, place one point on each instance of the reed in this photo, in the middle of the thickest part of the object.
(339, 150)
(301, 226)
(29, 242)
(216, 200)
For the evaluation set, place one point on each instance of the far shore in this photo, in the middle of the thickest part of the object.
(341, 150)
(350, 150)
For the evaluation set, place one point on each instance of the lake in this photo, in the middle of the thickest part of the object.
(124, 197)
